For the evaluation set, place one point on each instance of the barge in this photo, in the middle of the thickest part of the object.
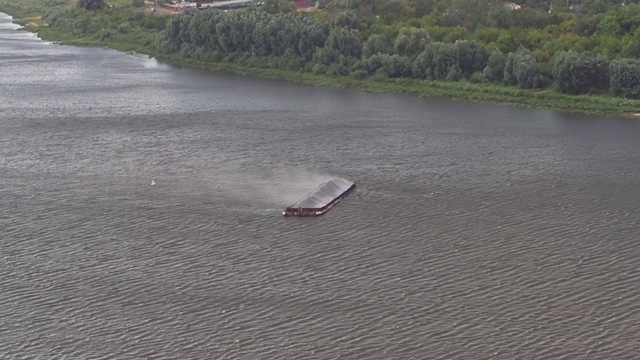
(321, 199)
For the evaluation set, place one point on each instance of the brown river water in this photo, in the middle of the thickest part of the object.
(477, 231)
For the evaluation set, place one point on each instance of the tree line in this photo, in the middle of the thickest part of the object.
(347, 46)
(593, 51)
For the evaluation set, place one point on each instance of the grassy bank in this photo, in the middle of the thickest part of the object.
(142, 40)
(549, 100)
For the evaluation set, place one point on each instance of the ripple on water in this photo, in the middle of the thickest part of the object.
(476, 231)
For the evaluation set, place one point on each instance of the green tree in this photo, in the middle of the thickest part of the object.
(372, 63)
(595, 7)
(510, 41)
(587, 25)
(376, 43)
(277, 6)
(345, 41)
(91, 5)
(631, 48)
(325, 56)
(625, 78)
(313, 35)
(494, 71)
(629, 18)
(393, 10)
(466, 13)
(580, 73)
(500, 18)
(223, 32)
(422, 7)
(436, 62)
(521, 69)
(472, 56)
(608, 25)
(391, 65)
(349, 20)
(339, 5)
(411, 42)
(396, 66)
(198, 29)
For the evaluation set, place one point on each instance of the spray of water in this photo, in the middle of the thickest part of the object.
(275, 187)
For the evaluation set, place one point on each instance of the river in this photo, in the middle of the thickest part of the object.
(477, 231)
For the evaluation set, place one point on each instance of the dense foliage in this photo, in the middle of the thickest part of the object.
(581, 73)
(625, 78)
(91, 5)
(591, 47)
(526, 48)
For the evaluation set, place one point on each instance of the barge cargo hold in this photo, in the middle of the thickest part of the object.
(320, 200)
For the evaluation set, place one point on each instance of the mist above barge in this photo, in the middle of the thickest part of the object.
(321, 199)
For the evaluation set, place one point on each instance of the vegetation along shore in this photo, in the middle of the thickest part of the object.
(561, 55)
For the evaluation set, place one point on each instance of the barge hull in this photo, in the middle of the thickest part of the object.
(321, 199)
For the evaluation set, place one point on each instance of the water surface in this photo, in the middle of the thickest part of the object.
(477, 231)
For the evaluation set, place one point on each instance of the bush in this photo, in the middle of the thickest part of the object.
(625, 78)
(476, 77)
(188, 50)
(319, 69)
(411, 42)
(494, 71)
(91, 5)
(454, 73)
(393, 66)
(435, 61)
(472, 56)
(138, 16)
(325, 56)
(105, 34)
(580, 73)
(83, 26)
(359, 74)
(155, 22)
(521, 69)
(337, 70)
(398, 66)
(348, 20)
(347, 42)
(376, 43)
(373, 63)
(124, 28)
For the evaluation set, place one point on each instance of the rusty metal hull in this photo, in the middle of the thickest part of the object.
(321, 199)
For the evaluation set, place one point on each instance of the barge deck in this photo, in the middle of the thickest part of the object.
(321, 199)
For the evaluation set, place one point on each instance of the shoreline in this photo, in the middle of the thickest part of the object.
(595, 105)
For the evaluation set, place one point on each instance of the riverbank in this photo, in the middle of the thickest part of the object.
(543, 99)
(549, 99)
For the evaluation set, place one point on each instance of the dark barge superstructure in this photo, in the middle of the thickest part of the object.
(320, 200)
